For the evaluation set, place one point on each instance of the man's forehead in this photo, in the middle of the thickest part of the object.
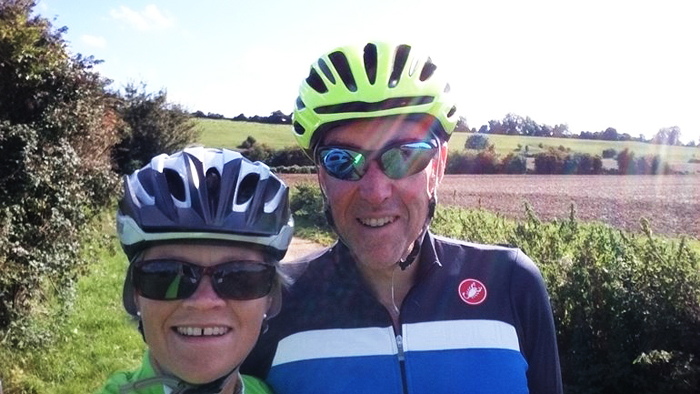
(377, 132)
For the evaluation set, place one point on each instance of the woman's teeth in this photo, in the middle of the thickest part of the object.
(199, 331)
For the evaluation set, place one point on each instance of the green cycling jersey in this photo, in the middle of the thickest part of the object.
(145, 380)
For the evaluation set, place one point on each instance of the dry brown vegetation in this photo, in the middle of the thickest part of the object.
(671, 203)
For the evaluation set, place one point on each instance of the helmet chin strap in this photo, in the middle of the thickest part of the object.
(411, 257)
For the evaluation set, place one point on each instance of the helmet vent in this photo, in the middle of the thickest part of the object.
(300, 104)
(447, 88)
(273, 186)
(299, 129)
(175, 184)
(145, 177)
(247, 187)
(452, 111)
(428, 70)
(314, 80)
(400, 58)
(340, 62)
(326, 71)
(213, 180)
(370, 58)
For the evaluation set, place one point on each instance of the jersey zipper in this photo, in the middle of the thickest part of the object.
(402, 362)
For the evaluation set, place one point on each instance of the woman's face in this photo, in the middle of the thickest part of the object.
(203, 337)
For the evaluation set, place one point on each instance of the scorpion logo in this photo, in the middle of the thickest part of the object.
(472, 291)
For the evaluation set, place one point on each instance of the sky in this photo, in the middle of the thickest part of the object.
(631, 65)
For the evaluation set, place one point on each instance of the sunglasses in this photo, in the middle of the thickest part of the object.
(395, 160)
(167, 280)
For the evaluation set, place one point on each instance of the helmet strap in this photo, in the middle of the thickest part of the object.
(405, 262)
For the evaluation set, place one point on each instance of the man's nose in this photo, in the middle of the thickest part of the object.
(375, 186)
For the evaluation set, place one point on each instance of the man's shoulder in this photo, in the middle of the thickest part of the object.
(453, 251)
(473, 247)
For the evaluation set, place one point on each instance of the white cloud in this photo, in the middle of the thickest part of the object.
(151, 18)
(93, 41)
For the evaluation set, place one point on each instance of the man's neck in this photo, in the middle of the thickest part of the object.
(390, 285)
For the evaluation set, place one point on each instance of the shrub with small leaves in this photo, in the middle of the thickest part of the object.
(56, 129)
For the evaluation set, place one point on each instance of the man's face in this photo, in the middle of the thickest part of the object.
(380, 218)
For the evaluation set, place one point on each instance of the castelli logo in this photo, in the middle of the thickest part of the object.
(472, 291)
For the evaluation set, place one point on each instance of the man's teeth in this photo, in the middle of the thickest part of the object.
(373, 222)
(199, 331)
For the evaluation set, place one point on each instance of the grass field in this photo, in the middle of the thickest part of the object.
(229, 134)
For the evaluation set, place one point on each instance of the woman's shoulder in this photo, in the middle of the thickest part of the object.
(118, 381)
(253, 385)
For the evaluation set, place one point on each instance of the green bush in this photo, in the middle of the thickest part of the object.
(150, 126)
(628, 164)
(295, 169)
(477, 141)
(55, 127)
(289, 156)
(609, 153)
(484, 162)
(513, 164)
(557, 161)
(306, 203)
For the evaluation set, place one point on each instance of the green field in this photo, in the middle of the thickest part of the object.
(229, 134)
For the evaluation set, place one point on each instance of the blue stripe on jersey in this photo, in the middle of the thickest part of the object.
(483, 371)
(351, 375)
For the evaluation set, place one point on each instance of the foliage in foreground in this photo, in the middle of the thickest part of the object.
(626, 306)
(55, 129)
(94, 340)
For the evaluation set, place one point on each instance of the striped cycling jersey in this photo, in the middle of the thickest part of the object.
(477, 320)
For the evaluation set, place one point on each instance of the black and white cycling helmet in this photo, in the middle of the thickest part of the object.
(203, 194)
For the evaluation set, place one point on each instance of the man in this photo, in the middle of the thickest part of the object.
(391, 308)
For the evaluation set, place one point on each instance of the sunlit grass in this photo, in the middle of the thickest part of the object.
(229, 134)
(95, 340)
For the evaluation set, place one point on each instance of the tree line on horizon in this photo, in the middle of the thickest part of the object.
(511, 124)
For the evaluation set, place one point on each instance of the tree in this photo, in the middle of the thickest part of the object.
(496, 127)
(462, 125)
(610, 134)
(483, 129)
(151, 126)
(56, 129)
(668, 136)
(513, 124)
(476, 141)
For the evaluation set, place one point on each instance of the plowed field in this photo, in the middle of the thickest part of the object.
(671, 203)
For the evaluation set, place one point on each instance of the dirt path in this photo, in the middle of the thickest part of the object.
(301, 247)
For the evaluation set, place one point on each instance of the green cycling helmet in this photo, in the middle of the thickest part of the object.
(377, 80)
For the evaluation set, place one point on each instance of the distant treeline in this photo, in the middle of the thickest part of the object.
(511, 124)
(277, 117)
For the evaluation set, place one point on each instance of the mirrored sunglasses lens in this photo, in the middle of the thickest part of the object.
(165, 280)
(342, 163)
(244, 280)
(407, 159)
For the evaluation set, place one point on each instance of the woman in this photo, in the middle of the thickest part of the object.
(203, 230)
